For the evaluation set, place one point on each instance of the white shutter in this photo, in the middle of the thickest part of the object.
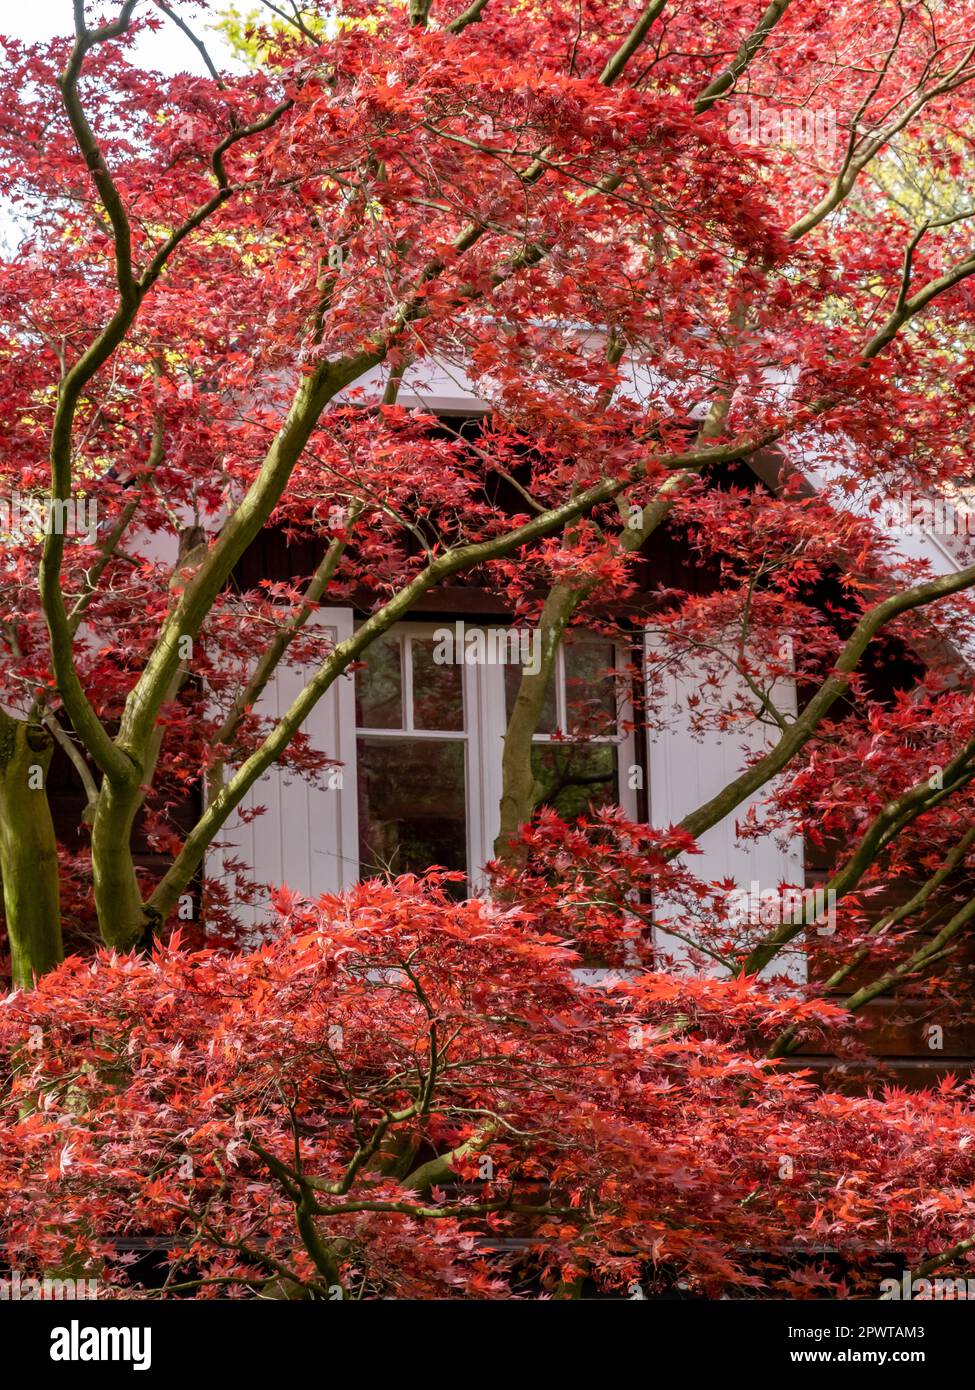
(307, 837)
(688, 767)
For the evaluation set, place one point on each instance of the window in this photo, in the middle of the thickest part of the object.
(429, 740)
(411, 751)
(576, 748)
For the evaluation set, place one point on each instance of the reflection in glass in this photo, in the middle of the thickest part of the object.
(438, 690)
(576, 776)
(379, 686)
(590, 688)
(412, 805)
(549, 716)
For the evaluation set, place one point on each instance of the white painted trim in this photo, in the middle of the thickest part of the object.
(286, 844)
(687, 768)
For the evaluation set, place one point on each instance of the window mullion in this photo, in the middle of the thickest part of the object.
(561, 701)
(406, 648)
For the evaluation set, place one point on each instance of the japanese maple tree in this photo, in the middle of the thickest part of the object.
(403, 1095)
(555, 198)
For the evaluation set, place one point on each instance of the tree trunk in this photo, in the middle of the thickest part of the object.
(118, 897)
(124, 919)
(520, 792)
(28, 852)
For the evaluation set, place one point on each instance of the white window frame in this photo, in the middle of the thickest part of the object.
(485, 724)
(468, 735)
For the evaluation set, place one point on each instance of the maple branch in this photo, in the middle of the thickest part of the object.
(225, 190)
(441, 1169)
(906, 308)
(294, 18)
(935, 1262)
(615, 65)
(469, 16)
(295, 1185)
(790, 1039)
(805, 725)
(749, 47)
(108, 549)
(242, 527)
(275, 651)
(885, 826)
(77, 760)
(367, 1149)
(197, 43)
(855, 163)
(459, 1210)
(301, 1189)
(906, 910)
(88, 726)
(116, 763)
(109, 546)
(923, 956)
(414, 306)
(87, 39)
(257, 1256)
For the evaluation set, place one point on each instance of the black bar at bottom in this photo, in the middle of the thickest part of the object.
(77, 1341)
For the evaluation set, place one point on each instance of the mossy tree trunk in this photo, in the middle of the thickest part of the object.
(124, 919)
(28, 852)
(520, 790)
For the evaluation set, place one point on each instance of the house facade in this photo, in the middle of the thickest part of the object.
(416, 734)
(414, 739)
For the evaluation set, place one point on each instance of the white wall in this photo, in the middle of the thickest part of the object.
(307, 838)
(687, 768)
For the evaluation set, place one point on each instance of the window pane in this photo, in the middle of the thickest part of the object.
(412, 805)
(590, 689)
(438, 690)
(576, 776)
(549, 716)
(379, 687)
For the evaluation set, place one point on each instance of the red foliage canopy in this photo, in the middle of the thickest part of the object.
(402, 1094)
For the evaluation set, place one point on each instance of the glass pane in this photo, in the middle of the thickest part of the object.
(576, 776)
(412, 805)
(379, 687)
(549, 716)
(438, 690)
(590, 689)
